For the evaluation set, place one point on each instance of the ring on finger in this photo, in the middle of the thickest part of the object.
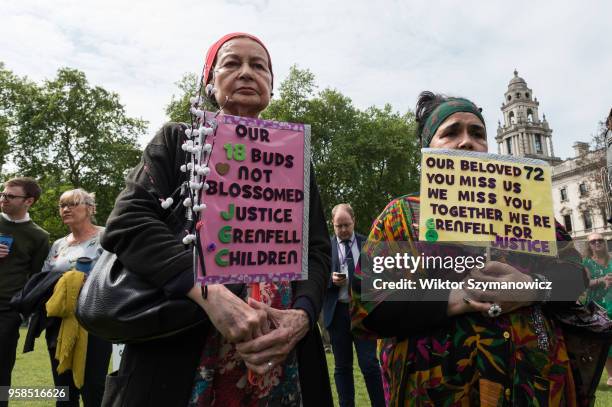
(495, 310)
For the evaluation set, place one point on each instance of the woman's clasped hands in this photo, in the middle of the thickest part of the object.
(264, 336)
(287, 328)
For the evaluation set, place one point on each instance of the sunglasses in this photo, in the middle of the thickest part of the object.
(595, 241)
(4, 195)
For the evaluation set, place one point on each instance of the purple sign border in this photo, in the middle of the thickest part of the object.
(271, 277)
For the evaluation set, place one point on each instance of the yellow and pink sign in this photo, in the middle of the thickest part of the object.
(255, 225)
(487, 200)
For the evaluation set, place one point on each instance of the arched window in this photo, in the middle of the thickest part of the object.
(538, 143)
(509, 98)
(527, 95)
(567, 221)
(509, 145)
(511, 118)
(588, 221)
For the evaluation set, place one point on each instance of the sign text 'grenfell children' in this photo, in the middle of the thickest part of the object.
(487, 199)
(255, 226)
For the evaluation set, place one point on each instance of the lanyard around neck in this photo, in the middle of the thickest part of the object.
(343, 259)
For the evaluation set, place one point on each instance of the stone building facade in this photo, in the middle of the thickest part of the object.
(523, 134)
(578, 194)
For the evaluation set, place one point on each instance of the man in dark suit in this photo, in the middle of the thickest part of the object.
(346, 246)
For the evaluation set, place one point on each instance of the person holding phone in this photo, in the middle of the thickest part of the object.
(23, 248)
(346, 246)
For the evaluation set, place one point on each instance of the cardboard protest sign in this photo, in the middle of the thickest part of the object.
(255, 225)
(487, 199)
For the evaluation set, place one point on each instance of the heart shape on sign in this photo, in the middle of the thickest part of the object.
(222, 168)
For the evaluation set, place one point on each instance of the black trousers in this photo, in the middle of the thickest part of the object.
(96, 367)
(342, 341)
(9, 335)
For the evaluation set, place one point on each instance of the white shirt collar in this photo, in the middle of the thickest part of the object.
(351, 239)
(26, 218)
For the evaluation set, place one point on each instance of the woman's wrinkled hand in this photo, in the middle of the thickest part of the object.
(261, 354)
(234, 318)
(509, 300)
(460, 303)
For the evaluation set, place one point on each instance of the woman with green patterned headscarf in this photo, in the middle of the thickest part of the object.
(471, 349)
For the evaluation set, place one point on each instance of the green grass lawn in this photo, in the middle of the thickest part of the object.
(361, 393)
(34, 369)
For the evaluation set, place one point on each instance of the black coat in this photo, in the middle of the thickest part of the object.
(31, 300)
(161, 372)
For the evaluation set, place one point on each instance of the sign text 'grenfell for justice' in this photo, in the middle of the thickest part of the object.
(255, 225)
(487, 199)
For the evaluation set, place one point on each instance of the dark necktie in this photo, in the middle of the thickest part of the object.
(350, 262)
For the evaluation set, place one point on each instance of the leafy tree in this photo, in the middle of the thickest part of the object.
(598, 139)
(6, 82)
(13, 92)
(45, 212)
(4, 147)
(597, 201)
(178, 108)
(296, 92)
(364, 158)
(69, 134)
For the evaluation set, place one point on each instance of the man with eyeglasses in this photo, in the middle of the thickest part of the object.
(23, 248)
(346, 246)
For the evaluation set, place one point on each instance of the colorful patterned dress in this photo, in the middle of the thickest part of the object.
(516, 359)
(222, 377)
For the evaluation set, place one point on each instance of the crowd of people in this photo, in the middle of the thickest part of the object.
(421, 353)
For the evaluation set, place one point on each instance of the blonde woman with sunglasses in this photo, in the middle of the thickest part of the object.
(598, 264)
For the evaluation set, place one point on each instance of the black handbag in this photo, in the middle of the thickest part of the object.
(122, 307)
(587, 331)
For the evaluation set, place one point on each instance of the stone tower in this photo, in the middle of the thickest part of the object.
(523, 134)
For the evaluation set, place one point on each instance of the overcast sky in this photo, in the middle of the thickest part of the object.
(375, 52)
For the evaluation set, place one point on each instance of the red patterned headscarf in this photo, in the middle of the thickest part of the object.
(214, 49)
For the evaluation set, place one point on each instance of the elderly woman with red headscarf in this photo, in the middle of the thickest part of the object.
(209, 364)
